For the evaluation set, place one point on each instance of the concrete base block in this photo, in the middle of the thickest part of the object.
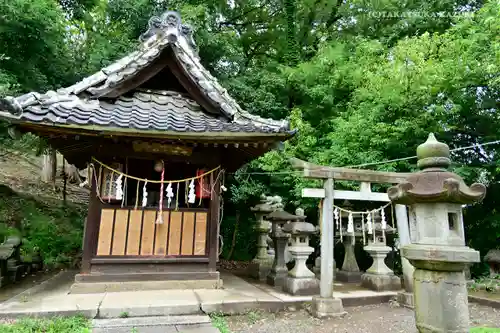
(380, 282)
(345, 276)
(301, 286)
(277, 279)
(259, 270)
(327, 307)
(406, 299)
(103, 287)
(16, 273)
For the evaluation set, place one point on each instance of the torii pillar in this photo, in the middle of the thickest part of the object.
(326, 305)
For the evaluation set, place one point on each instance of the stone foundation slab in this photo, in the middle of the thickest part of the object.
(301, 286)
(349, 277)
(277, 279)
(378, 282)
(103, 287)
(259, 270)
(406, 299)
(327, 307)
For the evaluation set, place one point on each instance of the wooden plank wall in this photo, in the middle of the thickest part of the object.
(129, 232)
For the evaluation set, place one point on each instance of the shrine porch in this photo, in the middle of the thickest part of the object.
(237, 296)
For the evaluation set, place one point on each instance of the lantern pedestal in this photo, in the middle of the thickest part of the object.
(350, 269)
(379, 277)
(278, 271)
(261, 265)
(300, 280)
(440, 287)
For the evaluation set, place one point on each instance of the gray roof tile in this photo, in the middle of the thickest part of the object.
(143, 111)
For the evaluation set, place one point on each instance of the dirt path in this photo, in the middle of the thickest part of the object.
(367, 319)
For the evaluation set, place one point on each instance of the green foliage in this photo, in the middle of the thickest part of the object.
(32, 39)
(54, 230)
(55, 325)
(219, 322)
(487, 283)
(484, 330)
(362, 81)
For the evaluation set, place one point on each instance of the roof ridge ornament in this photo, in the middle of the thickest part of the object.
(168, 25)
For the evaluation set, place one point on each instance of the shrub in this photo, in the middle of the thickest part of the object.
(55, 230)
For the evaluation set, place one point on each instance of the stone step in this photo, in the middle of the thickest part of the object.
(164, 324)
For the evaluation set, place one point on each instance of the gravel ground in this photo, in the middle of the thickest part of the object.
(365, 319)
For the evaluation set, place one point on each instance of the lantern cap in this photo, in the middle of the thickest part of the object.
(268, 204)
(299, 228)
(282, 216)
(434, 183)
(433, 154)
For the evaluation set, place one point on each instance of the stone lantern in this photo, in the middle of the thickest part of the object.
(300, 280)
(492, 258)
(261, 264)
(379, 277)
(279, 271)
(435, 197)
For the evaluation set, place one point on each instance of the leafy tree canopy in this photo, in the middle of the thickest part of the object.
(363, 80)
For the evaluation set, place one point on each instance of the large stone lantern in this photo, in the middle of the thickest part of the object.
(261, 264)
(435, 197)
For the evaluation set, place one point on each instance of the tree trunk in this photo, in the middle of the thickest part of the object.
(49, 167)
(65, 180)
(233, 243)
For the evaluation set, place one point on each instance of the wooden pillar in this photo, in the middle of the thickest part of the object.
(91, 229)
(213, 237)
(327, 225)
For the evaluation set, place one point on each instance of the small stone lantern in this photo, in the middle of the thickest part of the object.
(435, 197)
(261, 265)
(379, 277)
(300, 280)
(279, 271)
(492, 258)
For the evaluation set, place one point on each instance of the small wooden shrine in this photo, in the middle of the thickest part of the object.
(157, 132)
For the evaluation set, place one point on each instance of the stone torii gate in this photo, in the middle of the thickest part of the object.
(327, 194)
